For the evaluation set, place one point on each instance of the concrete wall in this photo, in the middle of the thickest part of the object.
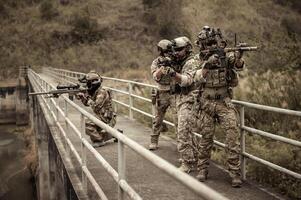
(7, 104)
(14, 100)
(22, 110)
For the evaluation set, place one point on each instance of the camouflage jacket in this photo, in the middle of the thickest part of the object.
(165, 82)
(101, 104)
(189, 67)
(219, 79)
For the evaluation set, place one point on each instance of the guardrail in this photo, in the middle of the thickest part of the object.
(59, 113)
(73, 76)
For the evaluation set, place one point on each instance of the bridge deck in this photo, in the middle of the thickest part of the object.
(146, 179)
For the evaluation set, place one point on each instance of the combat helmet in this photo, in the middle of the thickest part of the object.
(164, 46)
(209, 36)
(93, 80)
(182, 42)
(182, 48)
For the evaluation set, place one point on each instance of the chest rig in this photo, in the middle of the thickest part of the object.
(218, 75)
(217, 78)
(165, 62)
(104, 107)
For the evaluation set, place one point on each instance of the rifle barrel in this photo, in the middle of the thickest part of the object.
(60, 91)
(241, 49)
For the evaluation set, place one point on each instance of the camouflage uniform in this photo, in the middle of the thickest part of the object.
(101, 104)
(164, 100)
(215, 106)
(185, 97)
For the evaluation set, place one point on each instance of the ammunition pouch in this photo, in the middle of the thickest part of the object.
(232, 78)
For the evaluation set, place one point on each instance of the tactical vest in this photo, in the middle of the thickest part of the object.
(223, 74)
(217, 81)
(216, 86)
(165, 80)
(216, 78)
(105, 109)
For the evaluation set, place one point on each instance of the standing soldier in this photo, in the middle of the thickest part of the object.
(101, 103)
(218, 76)
(162, 98)
(184, 91)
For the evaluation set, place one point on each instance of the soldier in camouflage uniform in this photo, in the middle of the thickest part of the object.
(217, 78)
(162, 98)
(185, 92)
(100, 101)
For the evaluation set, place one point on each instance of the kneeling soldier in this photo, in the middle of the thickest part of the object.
(99, 99)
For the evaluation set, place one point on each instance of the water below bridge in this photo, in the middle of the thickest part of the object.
(15, 178)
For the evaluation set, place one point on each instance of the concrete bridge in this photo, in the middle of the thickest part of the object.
(70, 168)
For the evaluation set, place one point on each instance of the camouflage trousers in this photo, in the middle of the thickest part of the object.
(223, 112)
(164, 101)
(185, 136)
(96, 133)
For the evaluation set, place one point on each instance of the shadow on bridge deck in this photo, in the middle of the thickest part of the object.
(146, 179)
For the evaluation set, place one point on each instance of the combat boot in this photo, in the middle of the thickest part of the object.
(98, 144)
(154, 143)
(236, 182)
(185, 168)
(115, 139)
(202, 175)
(153, 146)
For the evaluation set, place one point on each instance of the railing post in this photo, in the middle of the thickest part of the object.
(242, 142)
(56, 108)
(83, 151)
(55, 104)
(47, 88)
(130, 100)
(121, 169)
(114, 103)
(67, 127)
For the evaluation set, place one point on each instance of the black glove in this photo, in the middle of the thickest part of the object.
(170, 72)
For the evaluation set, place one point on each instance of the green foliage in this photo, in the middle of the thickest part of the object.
(279, 89)
(161, 23)
(85, 29)
(47, 10)
(294, 4)
(3, 11)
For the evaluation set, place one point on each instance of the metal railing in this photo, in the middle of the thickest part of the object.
(58, 113)
(73, 76)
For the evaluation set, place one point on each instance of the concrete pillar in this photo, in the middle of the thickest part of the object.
(22, 111)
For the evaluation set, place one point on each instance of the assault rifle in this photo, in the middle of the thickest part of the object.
(222, 51)
(168, 64)
(61, 89)
(165, 61)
